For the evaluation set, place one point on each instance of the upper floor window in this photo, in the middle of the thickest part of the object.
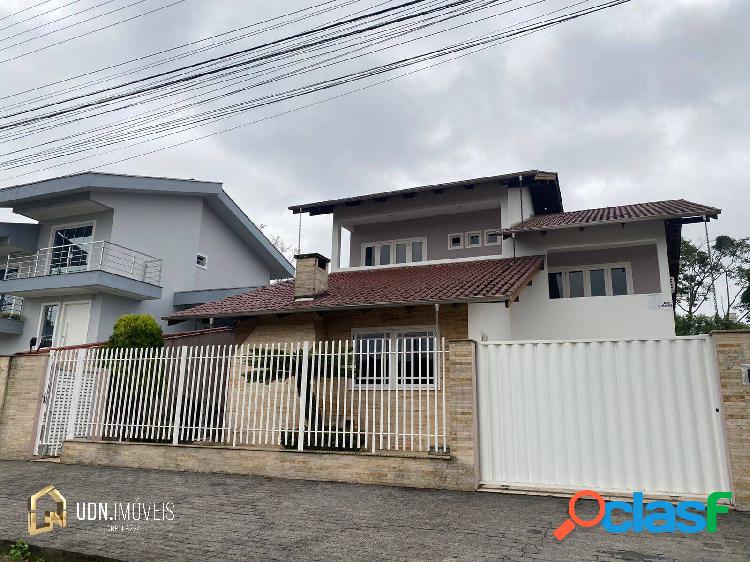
(71, 246)
(473, 239)
(456, 241)
(201, 261)
(590, 281)
(394, 251)
(492, 237)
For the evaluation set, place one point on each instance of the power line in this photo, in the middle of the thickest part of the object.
(471, 46)
(25, 10)
(37, 15)
(109, 26)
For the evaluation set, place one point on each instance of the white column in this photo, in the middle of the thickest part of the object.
(336, 245)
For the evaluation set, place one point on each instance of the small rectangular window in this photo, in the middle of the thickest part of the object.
(473, 239)
(385, 254)
(575, 281)
(745, 374)
(401, 252)
(619, 281)
(369, 255)
(598, 283)
(455, 241)
(555, 285)
(492, 238)
(201, 261)
(416, 250)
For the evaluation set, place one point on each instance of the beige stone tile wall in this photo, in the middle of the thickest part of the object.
(732, 351)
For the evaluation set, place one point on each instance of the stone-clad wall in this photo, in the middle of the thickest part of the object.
(733, 351)
(453, 321)
(456, 471)
(23, 390)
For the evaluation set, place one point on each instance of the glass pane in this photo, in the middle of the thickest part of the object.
(492, 238)
(575, 278)
(401, 252)
(555, 285)
(619, 281)
(455, 241)
(49, 318)
(415, 358)
(474, 240)
(71, 249)
(416, 251)
(385, 254)
(598, 286)
(371, 361)
(369, 255)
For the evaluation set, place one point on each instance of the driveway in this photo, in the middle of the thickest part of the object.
(223, 517)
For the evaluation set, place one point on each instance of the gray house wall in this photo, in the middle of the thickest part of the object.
(436, 229)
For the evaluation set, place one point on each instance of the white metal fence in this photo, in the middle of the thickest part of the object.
(366, 394)
(624, 415)
(85, 256)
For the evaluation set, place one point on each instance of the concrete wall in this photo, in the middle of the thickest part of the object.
(455, 471)
(732, 351)
(23, 390)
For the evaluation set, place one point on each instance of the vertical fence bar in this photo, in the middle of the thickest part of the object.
(445, 434)
(420, 386)
(46, 397)
(75, 398)
(303, 397)
(178, 401)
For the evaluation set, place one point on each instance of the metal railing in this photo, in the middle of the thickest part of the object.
(346, 395)
(11, 306)
(87, 256)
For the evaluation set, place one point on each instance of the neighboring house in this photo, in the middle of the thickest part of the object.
(492, 258)
(107, 245)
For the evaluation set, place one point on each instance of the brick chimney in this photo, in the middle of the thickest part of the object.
(311, 277)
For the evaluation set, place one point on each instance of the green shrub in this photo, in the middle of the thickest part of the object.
(136, 330)
(703, 324)
(20, 551)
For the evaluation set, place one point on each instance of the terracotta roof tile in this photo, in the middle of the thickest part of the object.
(675, 208)
(461, 281)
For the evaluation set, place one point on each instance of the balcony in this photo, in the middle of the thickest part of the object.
(87, 267)
(11, 315)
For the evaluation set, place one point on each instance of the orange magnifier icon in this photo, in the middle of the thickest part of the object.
(569, 524)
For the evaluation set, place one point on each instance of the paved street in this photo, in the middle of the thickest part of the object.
(221, 517)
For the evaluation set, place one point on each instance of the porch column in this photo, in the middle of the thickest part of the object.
(336, 245)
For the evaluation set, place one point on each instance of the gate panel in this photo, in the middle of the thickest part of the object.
(617, 416)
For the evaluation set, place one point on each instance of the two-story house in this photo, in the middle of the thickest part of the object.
(105, 245)
(494, 258)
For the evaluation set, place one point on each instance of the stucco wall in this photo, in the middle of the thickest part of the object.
(25, 379)
(435, 229)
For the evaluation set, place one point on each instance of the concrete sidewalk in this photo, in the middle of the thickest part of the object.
(223, 517)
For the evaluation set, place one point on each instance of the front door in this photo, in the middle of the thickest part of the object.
(74, 323)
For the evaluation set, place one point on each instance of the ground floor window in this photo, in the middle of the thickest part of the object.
(47, 325)
(394, 358)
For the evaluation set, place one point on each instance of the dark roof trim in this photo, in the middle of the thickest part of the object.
(511, 180)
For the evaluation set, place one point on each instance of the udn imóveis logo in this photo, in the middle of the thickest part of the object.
(651, 517)
(51, 518)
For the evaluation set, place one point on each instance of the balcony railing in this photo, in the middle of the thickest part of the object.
(11, 307)
(87, 256)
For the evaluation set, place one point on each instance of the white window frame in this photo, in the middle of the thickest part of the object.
(393, 332)
(55, 330)
(392, 243)
(205, 260)
(487, 232)
(451, 246)
(607, 267)
(477, 233)
(745, 374)
(54, 228)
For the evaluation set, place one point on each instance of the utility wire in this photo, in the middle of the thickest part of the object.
(37, 15)
(25, 10)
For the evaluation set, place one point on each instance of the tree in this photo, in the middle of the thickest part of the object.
(697, 274)
(733, 262)
(286, 249)
(136, 330)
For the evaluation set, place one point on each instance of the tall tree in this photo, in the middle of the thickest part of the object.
(698, 272)
(732, 257)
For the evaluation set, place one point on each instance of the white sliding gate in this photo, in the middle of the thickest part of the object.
(613, 416)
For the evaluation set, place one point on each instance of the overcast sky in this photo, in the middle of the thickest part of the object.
(642, 102)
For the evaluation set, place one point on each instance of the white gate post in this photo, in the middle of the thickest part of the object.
(178, 399)
(44, 404)
(76, 395)
(303, 397)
